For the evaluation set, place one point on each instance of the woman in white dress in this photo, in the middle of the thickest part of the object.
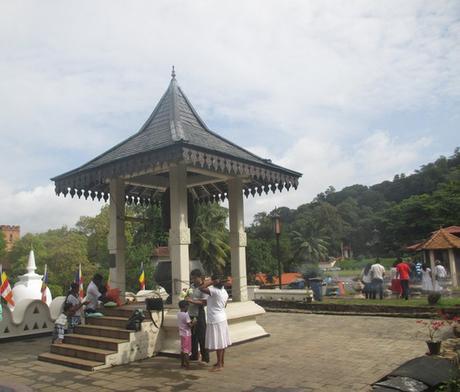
(427, 283)
(217, 334)
(440, 275)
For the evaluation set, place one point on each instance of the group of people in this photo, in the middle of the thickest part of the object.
(72, 311)
(202, 332)
(439, 274)
(373, 275)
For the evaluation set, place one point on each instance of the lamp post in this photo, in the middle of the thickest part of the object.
(277, 229)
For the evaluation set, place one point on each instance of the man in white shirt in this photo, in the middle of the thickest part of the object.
(378, 273)
(93, 294)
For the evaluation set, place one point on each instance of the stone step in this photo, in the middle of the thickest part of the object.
(101, 342)
(108, 321)
(107, 332)
(120, 311)
(71, 361)
(82, 352)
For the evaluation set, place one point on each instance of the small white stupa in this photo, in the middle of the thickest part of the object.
(30, 284)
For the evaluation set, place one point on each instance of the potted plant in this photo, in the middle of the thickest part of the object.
(434, 327)
(433, 298)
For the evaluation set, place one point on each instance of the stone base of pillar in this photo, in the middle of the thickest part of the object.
(241, 321)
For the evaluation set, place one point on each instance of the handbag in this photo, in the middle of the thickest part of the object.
(154, 304)
(157, 305)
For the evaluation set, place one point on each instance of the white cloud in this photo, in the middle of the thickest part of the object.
(374, 159)
(309, 81)
(40, 209)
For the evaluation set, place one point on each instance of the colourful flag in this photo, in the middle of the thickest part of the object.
(142, 277)
(79, 281)
(44, 284)
(5, 289)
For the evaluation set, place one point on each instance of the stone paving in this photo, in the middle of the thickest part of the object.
(305, 352)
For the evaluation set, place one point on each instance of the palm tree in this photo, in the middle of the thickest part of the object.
(310, 247)
(210, 237)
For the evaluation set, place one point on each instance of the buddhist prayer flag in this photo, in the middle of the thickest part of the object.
(79, 281)
(44, 284)
(5, 290)
(142, 277)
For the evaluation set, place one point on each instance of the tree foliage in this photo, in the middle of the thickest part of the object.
(210, 237)
(63, 250)
(379, 220)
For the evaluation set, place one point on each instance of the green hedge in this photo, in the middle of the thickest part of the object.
(358, 264)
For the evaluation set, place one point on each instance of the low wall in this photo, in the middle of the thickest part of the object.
(378, 310)
(254, 293)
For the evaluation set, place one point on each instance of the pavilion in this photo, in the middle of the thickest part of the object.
(441, 242)
(175, 152)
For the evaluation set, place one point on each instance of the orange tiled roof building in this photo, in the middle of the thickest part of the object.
(444, 245)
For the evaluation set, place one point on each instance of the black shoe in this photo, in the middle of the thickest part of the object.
(193, 358)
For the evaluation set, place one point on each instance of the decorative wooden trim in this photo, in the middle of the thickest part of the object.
(93, 182)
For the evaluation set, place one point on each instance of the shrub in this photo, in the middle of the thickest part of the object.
(56, 290)
(433, 298)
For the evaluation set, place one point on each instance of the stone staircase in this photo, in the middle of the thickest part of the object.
(104, 342)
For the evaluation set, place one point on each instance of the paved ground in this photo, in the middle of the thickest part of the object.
(304, 353)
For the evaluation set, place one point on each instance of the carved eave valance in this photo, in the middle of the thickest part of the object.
(93, 182)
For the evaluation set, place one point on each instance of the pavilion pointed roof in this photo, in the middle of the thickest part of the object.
(175, 132)
(441, 239)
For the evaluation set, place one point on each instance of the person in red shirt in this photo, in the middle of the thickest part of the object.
(403, 269)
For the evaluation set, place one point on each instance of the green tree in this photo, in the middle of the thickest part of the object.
(309, 248)
(96, 230)
(210, 237)
(259, 257)
(63, 250)
(143, 236)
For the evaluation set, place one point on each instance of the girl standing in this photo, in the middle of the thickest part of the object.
(184, 322)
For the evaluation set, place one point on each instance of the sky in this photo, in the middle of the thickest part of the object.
(343, 92)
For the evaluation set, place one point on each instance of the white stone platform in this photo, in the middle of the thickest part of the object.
(241, 320)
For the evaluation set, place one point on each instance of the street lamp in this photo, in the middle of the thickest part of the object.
(277, 229)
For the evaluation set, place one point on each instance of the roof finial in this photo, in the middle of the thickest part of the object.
(173, 73)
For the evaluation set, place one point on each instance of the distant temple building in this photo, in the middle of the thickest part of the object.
(11, 234)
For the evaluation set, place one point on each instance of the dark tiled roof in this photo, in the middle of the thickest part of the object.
(174, 120)
(173, 133)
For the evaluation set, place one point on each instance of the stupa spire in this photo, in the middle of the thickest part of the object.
(173, 73)
(31, 266)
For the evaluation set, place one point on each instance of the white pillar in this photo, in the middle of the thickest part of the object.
(237, 240)
(432, 267)
(116, 238)
(453, 269)
(179, 233)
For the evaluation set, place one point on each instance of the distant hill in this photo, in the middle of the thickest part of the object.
(378, 220)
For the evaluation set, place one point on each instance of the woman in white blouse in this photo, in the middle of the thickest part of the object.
(217, 334)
